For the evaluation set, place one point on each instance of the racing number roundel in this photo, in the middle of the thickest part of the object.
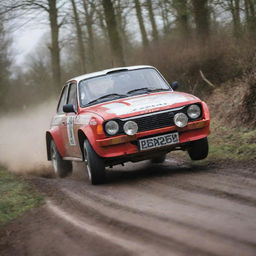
(70, 128)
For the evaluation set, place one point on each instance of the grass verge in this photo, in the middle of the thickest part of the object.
(232, 143)
(16, 196)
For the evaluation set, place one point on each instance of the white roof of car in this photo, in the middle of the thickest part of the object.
(104, 72)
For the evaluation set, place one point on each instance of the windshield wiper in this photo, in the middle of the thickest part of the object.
(112, 95)
(145, 89)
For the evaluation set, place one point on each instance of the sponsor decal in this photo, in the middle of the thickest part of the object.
(56, 120)
(147, 104)
(70, 129)
(82, 120)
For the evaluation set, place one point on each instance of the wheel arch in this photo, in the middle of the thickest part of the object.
(48, 138)
(86, 133)
(81, 138)
(55, 136)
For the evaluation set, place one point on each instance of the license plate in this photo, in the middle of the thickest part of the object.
(159, 141)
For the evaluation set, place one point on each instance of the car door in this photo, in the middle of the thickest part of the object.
(61, 117)
(73, 149)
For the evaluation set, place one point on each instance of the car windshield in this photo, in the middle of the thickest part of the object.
(120, 84)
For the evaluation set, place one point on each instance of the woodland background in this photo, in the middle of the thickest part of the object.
(187, 40)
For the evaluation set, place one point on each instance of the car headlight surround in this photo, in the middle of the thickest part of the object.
(130, 128)
(180, 120)
(194, 111)
(111, 127)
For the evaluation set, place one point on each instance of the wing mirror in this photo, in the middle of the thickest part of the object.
(68, 108)
(175, 85)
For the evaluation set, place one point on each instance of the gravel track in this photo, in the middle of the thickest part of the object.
(175, 208)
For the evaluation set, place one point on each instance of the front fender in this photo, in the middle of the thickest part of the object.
(90, 128)
(206, 111)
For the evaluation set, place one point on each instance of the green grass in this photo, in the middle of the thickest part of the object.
(227, 143)
(16, 196)
(232, 143)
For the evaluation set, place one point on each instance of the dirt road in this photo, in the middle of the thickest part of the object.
(174, 208)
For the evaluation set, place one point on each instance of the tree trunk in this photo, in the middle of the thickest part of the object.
(234, 6)
(54, 48)
(114, 37)
(141, 23)
(152, 20)
(181, 7)
(247, 12)
(164, 8)
(81, 51)
(250, 17)
(201, 16)
(121, 26)
(89, 25)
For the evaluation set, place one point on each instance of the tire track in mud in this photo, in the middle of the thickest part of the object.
(97, 195)
(159, 220)
(82, 224)
(197, 199)
(138, 240)
(170, 209)
(118, 204)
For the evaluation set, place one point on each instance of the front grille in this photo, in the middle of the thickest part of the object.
(154, 121)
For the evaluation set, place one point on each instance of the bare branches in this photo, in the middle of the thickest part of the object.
(205, 79)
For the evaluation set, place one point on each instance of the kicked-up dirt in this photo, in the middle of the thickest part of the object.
(174, 208)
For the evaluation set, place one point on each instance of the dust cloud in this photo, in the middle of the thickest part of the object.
(22, 139)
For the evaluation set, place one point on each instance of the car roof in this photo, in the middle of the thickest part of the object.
(106, 71)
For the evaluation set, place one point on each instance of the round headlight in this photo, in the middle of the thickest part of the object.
(111, 127)
(194, 111)
(180, 120)
(130, 128)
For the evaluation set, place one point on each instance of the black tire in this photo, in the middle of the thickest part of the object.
(159, 159)
(95, 165)
(198, 149)
(62, 168)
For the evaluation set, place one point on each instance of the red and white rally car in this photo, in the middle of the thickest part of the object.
(124, 114)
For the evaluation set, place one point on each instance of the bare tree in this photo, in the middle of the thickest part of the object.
(81, 50)
(123, 9)
(152, 20)
(201, 16)
(51, 8)
(166, 9)
(141, 23)
(250, 15)
(234, 7)
(89, 12)
(182, 16)
(235, 10)
(5, 63)
(114, 37)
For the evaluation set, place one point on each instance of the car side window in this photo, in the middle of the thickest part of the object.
(72, 95)
(63, 100)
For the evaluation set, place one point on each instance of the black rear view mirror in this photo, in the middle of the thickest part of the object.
(68, 108)
(175, 85)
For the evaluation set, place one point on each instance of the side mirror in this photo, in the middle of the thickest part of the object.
(175, 85)
(69, 108)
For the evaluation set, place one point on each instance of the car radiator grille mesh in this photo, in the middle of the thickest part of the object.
(154, 121)
(151, 121)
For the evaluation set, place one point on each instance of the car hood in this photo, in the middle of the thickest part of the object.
(142, 104)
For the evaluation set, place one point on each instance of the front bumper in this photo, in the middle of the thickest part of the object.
(124, 145)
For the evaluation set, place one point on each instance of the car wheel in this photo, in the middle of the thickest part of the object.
(95, 165)
(62, 168)
(158, 160)
(198, 149)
